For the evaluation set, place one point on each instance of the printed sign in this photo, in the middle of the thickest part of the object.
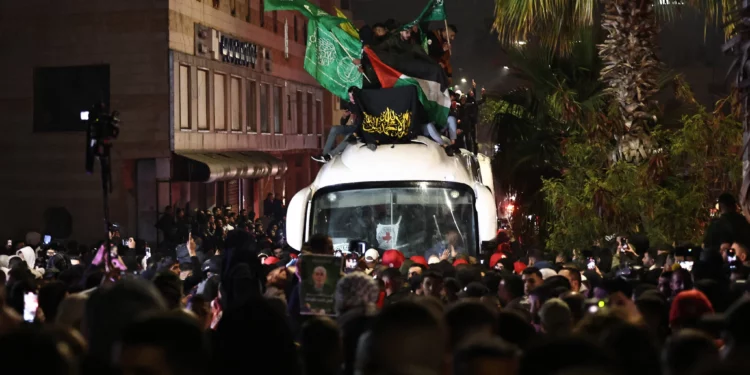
(319, 275)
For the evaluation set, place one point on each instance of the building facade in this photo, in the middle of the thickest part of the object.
(215, 108)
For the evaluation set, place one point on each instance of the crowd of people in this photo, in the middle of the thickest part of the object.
(231, 304)
(420, 53)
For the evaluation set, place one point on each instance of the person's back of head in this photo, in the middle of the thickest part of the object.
(169, 286)
(514, 327)
(356, 290)
(556, 317)
(687, 350)
(170, 343)
(265, 336)
(577, 304)
(407, 337)
(50, 297)
(109, 310)
(633, 347)
(321, 244)
(352, 326)
(560, 354)
(484, 356)
(320, 344)
(467, 319)
(30, 350)
(727, 202)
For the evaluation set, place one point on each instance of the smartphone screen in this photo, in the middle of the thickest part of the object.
(687, 265)
(75, 262)
(731, 258)
(591, 264)
(47, 239)
(30, 304)
(362, 247)
(10, 243)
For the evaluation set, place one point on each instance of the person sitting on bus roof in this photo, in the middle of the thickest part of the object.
(353, 113)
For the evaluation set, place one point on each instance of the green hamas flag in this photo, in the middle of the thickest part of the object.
(330, 49)
(329, 55)
(307, 9)
(434, 11)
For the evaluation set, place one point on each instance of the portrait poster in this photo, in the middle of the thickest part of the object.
(318, 277)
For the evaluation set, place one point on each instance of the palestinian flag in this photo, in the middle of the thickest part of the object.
(436, 102)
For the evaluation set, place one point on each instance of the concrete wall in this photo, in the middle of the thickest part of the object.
(42, 170)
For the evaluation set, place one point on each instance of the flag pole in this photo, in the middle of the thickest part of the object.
(447, 38)
(348, 54)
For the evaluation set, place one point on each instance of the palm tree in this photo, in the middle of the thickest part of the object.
(558, 95)
(739, 46)
(631, 66)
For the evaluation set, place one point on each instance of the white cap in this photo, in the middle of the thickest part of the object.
(371, 255)
(547, 273)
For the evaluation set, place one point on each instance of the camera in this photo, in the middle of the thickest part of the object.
(102, 129)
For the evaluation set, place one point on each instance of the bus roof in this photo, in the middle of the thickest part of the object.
(420, 160)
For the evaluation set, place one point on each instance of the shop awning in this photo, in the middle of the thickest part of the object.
(210, 167)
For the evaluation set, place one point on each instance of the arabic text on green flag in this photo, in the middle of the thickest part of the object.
(434, 11)
(329, 55)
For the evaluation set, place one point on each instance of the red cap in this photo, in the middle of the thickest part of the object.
(270, 260)
(460, 261)
(518, 267)
(418, 259)
(495, 259)
(689, 306)
(392, 258)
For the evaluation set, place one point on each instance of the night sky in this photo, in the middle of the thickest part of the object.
(478, 53)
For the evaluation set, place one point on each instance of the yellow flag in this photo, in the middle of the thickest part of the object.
(347, 26)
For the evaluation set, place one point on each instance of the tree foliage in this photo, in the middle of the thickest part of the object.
(669, 198)
(559, 94)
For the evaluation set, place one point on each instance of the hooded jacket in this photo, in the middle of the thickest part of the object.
(29, 256)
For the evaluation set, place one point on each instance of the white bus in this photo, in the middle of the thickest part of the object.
(410, 197)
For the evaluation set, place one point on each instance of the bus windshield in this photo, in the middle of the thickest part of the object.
(426, 219)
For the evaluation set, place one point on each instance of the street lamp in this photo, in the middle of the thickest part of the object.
(463, 80)
(506, 67)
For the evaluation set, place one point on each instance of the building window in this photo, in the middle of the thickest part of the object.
(249, 12)
(319, 117)
(299, 129)
(264, 108)
(275, 22)
(220, 106)
(202, 99)
(234, 102)
(184, 94)
(289, 107)
(252, 106)
(62, 93)
(310, 122)
(262, 13)
(278, 103)
(295, 28)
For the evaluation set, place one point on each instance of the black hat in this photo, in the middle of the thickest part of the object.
(211, 265)
(474, 290)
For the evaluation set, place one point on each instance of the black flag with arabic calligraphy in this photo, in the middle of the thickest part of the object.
(392, 115)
